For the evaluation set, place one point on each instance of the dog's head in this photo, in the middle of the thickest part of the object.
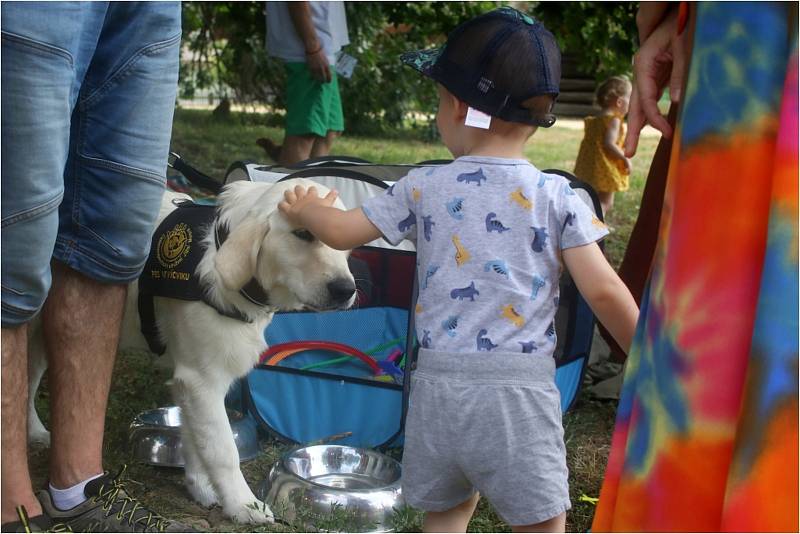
(296, 269)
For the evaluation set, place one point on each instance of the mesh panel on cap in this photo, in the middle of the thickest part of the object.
(495, 62)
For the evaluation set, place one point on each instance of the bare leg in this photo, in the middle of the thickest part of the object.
(556, 524)
(296, 148)
(453, 520)
(606, 202)
(322, 145)
(81, 320)
(16, 479)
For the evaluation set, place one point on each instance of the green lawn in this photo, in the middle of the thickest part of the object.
(139, 380)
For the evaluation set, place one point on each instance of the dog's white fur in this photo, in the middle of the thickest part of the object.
(210, 350)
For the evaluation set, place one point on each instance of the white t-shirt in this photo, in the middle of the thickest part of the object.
(328, 19)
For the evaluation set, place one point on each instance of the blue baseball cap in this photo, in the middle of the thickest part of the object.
(494, 63)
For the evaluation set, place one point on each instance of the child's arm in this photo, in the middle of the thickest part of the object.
(610, 143)
(336, 228)
(607, 295)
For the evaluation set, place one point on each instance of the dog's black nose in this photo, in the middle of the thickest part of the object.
(341, 289)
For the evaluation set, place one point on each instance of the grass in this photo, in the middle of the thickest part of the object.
(139, 379)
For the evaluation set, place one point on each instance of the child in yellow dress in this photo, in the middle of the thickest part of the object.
(601, 161)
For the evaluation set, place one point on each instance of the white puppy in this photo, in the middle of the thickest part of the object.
(211, 350)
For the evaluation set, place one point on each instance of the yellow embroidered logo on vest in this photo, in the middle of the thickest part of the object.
(174, 246)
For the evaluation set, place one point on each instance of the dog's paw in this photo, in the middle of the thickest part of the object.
(256, 512)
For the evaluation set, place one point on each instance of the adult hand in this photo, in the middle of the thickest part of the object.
(660, 61)
(318, 65)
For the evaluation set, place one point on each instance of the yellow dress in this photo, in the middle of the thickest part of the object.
(594, 165)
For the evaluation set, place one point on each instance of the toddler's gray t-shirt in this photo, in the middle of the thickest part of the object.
(489, 234)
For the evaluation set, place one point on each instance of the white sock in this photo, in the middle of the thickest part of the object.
(65, 499)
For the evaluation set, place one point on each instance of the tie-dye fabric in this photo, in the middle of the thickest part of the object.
(706, 434)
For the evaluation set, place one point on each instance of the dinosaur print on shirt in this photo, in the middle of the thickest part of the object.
(468, 292)
(472, 177)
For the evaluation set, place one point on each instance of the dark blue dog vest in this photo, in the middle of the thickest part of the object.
(175, 252)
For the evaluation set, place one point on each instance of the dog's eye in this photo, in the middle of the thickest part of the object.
(305, 235)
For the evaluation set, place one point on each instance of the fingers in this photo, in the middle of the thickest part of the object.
(635, 124)
(300, 194)
(316, 71)
(678, 67)
(650, 92)
(659, 63)
(322, 73)
(320, 70)
(330, 198)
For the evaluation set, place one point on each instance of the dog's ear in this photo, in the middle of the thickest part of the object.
(236, 258)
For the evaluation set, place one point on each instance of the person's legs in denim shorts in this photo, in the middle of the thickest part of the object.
(86, 120)
(87, 102)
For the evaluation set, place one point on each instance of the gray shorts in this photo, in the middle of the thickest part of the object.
(489, 423)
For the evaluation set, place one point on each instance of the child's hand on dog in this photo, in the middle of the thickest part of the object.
(295, 201)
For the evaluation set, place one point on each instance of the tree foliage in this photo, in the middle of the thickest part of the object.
(601, 36)
(226, 52)
(383, 91)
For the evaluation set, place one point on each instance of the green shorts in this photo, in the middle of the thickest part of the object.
(312, 107)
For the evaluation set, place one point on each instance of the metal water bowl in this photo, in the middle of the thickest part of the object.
(313, 482)
(155, 436)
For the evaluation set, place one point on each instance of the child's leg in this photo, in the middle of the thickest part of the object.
(453, 520)
(606, 201)
(556, 524)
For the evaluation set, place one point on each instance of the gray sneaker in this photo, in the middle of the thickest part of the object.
(108, 508)
(39, 523)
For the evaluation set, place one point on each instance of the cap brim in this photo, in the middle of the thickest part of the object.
(422, 60)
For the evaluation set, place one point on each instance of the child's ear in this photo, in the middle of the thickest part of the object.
(461, 109)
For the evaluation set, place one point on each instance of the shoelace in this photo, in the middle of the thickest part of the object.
(128, 506)
(24, 519)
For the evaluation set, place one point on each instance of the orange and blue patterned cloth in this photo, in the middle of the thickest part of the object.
(706, 434)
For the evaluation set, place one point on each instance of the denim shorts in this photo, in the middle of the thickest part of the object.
(486, 422)
(87, 102)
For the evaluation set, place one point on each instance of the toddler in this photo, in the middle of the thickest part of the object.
(492, 233)
(601, 161)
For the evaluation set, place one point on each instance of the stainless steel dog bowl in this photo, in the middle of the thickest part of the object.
(310, 482)
(155, 436)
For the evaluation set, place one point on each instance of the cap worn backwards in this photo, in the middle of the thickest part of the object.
(494, 63)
